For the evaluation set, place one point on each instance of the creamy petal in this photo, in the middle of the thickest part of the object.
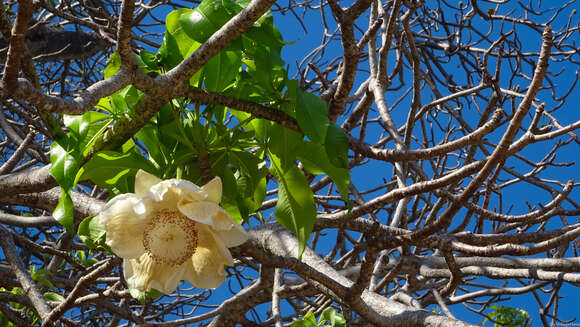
(214, 190)
(173, 191)
(124, 226)
(202, 212)
(144, 181)
(128, 268)
(144, 273)
(228, 230)
(167, 278)
(206, 268)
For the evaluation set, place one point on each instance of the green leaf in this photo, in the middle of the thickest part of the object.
(232, 202)
(265, 67)
(113, 65)
(312, 116)
(260, 127)
(258, 197)
(264, 32)
(52, 296)
(157, 151)
(197, 26)
(331, 316)
(65, 161)
(40, 276)
(207, 18)
(295, 209)
(86, 128)
(175, 28)
(250, 177)
(149, 59)
(249, 164)
(310, 319)
(116, 170)
(64, 211)
(336, 146)
(221, 70)
(131, 95)
(169, 53)
(508, 316)
(285, 143)
(142, 297)
(91, 232)
(105, 105)
(316, 162)
(120, 106)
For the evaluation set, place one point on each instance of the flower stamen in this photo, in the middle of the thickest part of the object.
(170, 237)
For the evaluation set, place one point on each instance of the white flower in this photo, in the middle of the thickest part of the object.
(170, 231)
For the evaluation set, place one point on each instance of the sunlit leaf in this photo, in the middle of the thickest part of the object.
(207, 18)
(113, 65)
(312, 116)
(295, 209)
(315, 160)
(65, 161)
(64, 211)
(336, 146)
(91, 232)
(52, 296)
(221, 70)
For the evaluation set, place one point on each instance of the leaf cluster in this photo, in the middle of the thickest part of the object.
(191, 141)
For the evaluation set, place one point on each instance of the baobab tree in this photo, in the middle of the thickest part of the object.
(374, 163)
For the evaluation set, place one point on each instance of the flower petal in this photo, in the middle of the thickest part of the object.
(144, 181)
(144, 273)
(202, 212)
(124, 226)
(228, 230)
(214, 190)
(166, 278)
(172, 191)
(206, 268)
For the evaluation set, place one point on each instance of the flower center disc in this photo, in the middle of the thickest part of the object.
(170, 237)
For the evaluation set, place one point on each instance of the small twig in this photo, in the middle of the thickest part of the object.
(441, 303)
(28, 285)
(48, 249)
(78, 289)
(17, 155)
